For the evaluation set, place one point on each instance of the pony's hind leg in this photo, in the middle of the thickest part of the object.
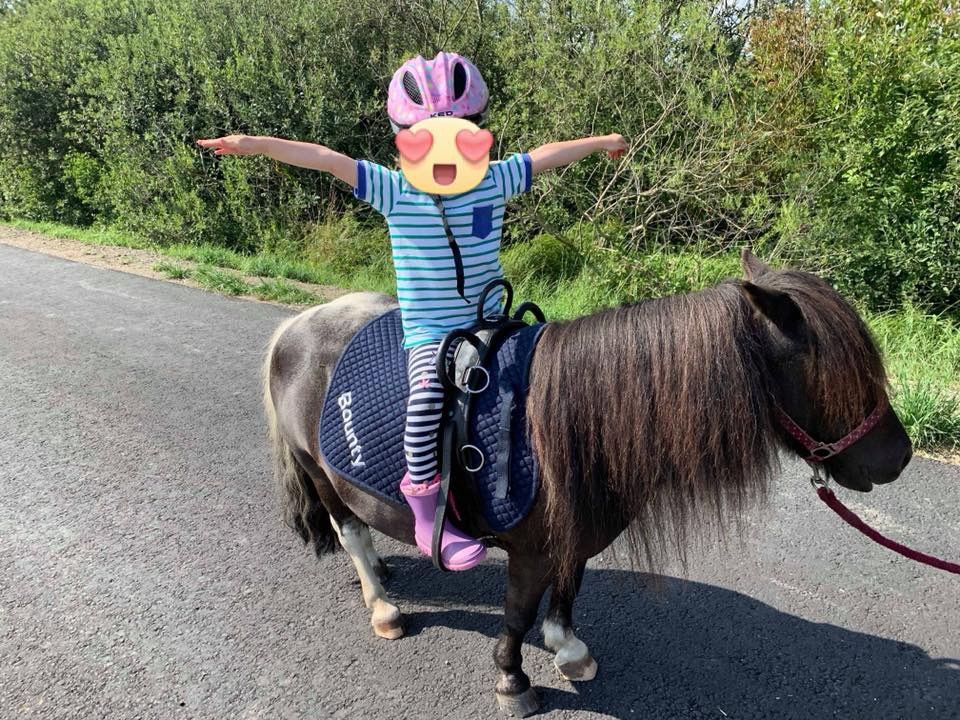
(355, 539)
(373, 557)
(573, 660)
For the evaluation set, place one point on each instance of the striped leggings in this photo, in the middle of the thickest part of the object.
(424, 408)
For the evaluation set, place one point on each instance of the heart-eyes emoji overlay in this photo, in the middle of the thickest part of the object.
(444, 155)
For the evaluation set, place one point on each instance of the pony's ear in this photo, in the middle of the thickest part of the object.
(753, 267)
(778, 307)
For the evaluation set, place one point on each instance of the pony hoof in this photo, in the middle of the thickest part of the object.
(520, 705)
(579, 670)
(390, 630)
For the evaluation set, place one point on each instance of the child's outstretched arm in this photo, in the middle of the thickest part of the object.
(292, 152)
(559, 154)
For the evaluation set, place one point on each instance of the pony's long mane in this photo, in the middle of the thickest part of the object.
(659, 414)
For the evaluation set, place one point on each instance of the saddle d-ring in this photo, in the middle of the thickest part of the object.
(529, 307)
(442, 366)
(487, 289)
(479, 453)
(468, 377)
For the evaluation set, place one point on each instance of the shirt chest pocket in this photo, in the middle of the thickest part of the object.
(482, 221)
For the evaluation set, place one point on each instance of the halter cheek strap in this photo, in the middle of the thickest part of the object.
(820, 451)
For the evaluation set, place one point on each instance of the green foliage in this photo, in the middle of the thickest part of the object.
(89, 235)
(599, 279)
(930, 415)
(918, 345)
(545, 258)
(664, 75)
(881, 167)
(283, 292)
(344, 247)
(831, 139)
(922, 354)
(208, 255)
(661, 271)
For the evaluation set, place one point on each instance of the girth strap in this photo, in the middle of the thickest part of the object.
(446, 472)
(481, 339)
(503, 443)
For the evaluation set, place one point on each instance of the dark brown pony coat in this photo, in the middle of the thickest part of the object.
(650, 417)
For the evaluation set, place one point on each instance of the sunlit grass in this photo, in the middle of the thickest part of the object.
(90, 236)
(174, 271)
(206, 255)
(278, 290)
(922, 354)
(220, 280)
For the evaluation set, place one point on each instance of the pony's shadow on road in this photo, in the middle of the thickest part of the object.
(687, 649)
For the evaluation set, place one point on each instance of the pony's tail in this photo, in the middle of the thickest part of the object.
(303, 512)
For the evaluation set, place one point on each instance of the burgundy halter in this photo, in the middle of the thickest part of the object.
(820, 451)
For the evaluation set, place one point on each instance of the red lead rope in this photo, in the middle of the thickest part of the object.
(826, 494)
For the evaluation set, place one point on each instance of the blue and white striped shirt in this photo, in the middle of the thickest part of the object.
(426, 274)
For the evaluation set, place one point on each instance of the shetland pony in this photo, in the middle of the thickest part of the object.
(647, 419)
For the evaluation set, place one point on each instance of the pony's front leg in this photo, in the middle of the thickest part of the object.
(355, 539)
(573, 660)
(527, 579)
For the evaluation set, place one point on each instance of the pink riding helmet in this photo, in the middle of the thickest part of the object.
(447, 85)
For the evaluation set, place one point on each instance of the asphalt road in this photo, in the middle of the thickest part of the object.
(144, 572)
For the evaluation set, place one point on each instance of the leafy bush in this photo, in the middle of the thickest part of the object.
(546, 257)
(878, 165)
(830, 139)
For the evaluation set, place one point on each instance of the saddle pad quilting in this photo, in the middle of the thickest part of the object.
(510, 370)
(365, 406)
(362, 421)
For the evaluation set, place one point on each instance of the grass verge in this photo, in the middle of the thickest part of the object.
(922, 354)
(567, 279)
(220, 280)
(173, 271)
(278, 290)
(88, 236)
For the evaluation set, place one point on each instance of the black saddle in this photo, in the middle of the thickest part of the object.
(483, 442)
(467, 371)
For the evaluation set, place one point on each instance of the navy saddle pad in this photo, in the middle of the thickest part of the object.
(362, 421)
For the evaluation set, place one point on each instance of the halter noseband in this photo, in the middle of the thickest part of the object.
(821, 451)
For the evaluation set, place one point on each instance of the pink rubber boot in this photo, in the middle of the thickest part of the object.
(458, 551)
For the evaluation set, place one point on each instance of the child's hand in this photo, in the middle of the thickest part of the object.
(232, 145)
(615, 145)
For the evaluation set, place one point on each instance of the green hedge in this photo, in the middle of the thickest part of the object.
(825, 134)
(875, 138)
